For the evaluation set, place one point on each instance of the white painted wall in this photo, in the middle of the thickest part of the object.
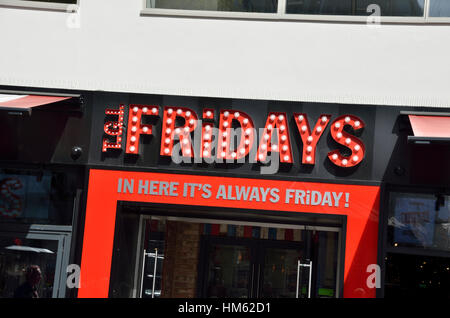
(116, 49)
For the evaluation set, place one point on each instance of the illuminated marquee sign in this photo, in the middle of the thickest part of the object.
(178, 123)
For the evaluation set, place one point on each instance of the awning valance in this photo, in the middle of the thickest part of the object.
(429, 128)
(24, 102)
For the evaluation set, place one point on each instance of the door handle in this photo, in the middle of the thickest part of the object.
(252, 281)
(142, 272)
(258, 280)
(154, 272)
(308, 265)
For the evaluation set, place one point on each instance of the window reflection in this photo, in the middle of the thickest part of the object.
(411, 8)
(24, 196)
(27, 267)
(267, 6)
(419, 220)
(439, 8)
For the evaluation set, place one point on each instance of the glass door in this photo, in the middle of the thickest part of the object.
(259, 268)
(279, 274)
(230, 270)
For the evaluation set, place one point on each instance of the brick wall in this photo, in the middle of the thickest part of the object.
(181, 260)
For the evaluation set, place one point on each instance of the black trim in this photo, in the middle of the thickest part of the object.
(341, 259)
(18, 92)
(382, 236)
(428, 140)
(234, 214)
(440, 114)
(227, 174)
(417, 251)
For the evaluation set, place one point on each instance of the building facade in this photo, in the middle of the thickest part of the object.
(263, 149)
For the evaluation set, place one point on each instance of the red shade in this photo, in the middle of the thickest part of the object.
(215, 229)
(248, 231)
(430, 126)
(29, 101)
(289, 234)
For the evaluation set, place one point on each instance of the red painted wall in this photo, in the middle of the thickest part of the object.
(362, 214)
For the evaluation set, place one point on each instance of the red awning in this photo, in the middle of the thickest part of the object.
(430, 128)
(26, 102)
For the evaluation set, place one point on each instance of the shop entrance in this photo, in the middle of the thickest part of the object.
(189, 257)
(240, 268)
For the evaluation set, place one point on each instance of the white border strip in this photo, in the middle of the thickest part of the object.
(131, 87)
(280, 15)
(232, 222)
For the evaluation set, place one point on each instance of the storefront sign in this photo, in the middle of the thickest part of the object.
(219, 192)
(234, 138)
(358, 203)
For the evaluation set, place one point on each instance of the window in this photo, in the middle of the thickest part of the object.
(408, 8)
(420, 221)
(37, 196)
(439, 8)
(55, 1)
(414, 11)
(57, 5)
(268, 6)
